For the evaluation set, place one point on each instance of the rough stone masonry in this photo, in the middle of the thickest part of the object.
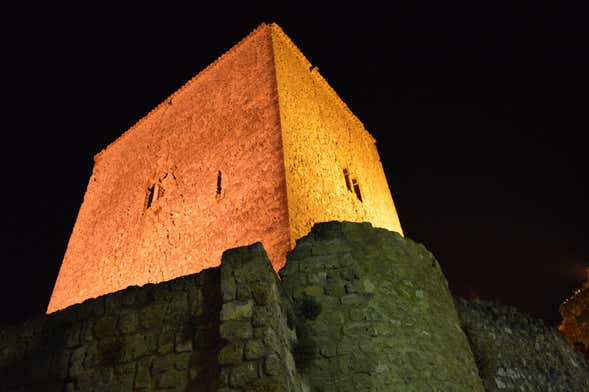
(356, 309)
(207, 170)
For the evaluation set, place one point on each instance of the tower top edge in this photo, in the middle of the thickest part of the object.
(271, 27)
(275, 28)
(260, 28)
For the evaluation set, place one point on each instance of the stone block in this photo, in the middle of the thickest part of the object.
(233, 330)
(244, 292)
(106, 326)
(137, 345)
(171, 379)
(182, 342)
(165, 342)
(262, 293)
(142, 378)
(231, 354)
(335, 288)
(270, 338)
(264, 316)
(228, 288)
(273, 366)
(163, 363)
(237, 310)
(125, 368)
(128, 321)
(313, 291)
(76, 362)
(243, 374)
(225, 375)
(182, 361)
(254, 349)
(153, 315)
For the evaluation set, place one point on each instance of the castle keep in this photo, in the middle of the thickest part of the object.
(256, 147)
(255, 166)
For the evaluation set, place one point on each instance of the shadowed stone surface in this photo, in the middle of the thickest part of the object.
(154, 337)
(516, 352)
(386, 319)
(358, 309)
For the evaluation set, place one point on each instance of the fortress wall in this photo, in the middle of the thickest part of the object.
(155, 337)
(358, 309)
(516, 352)
(224, 120)
(374, 314)
(256, 330)
(321, 138)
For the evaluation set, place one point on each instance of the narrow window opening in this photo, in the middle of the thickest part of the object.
(219, 188)
(154, 192)
(347, 177)
(150, 196)
(357, 189)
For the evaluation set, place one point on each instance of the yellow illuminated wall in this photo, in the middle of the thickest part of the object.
(321, 137)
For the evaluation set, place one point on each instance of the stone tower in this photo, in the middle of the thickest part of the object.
(256, 147)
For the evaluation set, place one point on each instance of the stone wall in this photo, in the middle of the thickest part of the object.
(515, 352)
(358, 309)
(150, 338)
(254, 327)
(374, 314)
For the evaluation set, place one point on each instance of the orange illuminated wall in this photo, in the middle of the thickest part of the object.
(256, 147)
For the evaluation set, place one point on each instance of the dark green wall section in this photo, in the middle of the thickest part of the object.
(155, 337)
(356, 309)
(375, 314)
(515, 352)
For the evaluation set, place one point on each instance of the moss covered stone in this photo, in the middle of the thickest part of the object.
(237, 310)
(358, 309)
(382, 294)
(517, 352)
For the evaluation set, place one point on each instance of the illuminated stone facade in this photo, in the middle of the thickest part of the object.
(256, 147)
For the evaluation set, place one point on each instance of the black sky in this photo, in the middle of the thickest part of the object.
(479, 113)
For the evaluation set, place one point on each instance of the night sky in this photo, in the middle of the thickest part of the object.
(478, 113)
